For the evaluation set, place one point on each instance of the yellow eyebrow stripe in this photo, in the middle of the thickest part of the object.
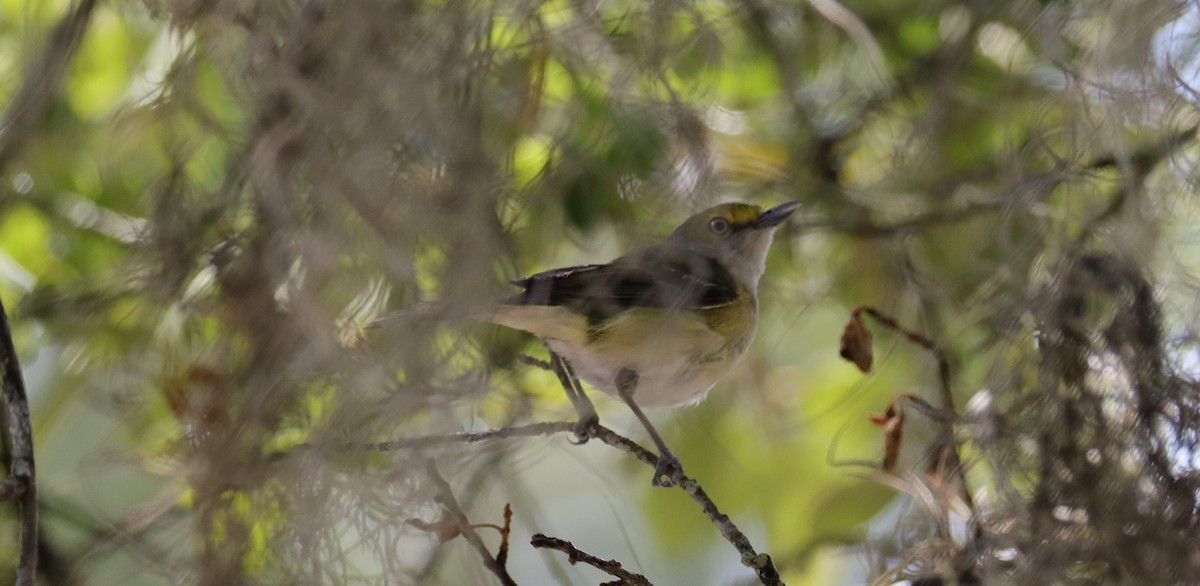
(740, 213)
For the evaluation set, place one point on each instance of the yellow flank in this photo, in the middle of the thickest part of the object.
(640, 330)
(730, 320)
(635, 327)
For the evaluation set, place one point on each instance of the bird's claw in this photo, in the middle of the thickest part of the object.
(668, 472)
(583, 429)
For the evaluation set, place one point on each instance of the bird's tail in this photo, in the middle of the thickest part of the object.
(542, 321)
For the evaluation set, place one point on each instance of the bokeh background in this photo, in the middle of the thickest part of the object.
(203, 203)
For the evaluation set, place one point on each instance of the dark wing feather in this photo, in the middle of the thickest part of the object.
(558, 286)
(679, 281)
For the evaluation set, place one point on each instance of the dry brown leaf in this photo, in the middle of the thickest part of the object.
(856, 343)
(892, 422)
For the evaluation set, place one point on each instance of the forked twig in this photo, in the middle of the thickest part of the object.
(445, 497)
(574, 555)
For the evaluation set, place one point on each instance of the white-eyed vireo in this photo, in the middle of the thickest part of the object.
(660, 325)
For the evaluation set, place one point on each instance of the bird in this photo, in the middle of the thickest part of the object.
(660, 325)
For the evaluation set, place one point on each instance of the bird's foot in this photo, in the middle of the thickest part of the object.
(668, 472)
(584, 428)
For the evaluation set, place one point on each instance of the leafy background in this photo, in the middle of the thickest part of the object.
(222, 193)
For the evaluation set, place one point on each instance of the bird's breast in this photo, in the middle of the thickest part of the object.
(678, 355)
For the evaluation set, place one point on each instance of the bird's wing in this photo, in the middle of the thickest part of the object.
(666, 280)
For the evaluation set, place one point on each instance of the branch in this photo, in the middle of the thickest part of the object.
(610, 567)
(760, 562)
(446, 498)
(42, 81)
(21, 484)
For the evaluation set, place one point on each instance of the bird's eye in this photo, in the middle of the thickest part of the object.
(719, 225)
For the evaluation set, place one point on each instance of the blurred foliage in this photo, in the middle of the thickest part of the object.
(222, 194)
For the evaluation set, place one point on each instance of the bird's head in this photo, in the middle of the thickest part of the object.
(737, 235)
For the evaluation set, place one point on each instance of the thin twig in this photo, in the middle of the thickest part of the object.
(103, 536)
(611, 567)
(21, 469)
(462, 437)
(446, 498)
(505, 531)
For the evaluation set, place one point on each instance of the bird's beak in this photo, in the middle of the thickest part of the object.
(776, 215)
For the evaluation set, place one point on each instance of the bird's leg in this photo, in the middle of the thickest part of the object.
(579, 400)
(583, 406)
(669, 468)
